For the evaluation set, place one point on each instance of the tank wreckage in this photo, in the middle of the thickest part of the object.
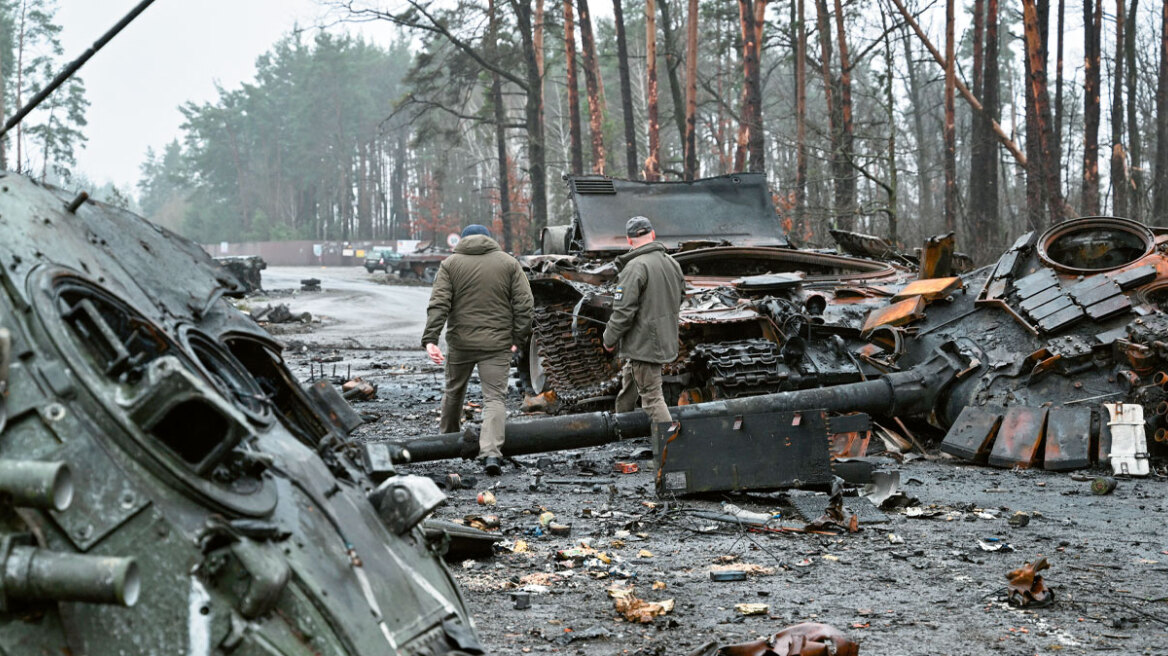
(1052, 357)
(168, 486)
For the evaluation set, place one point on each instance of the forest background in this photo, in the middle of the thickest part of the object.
(899, 118)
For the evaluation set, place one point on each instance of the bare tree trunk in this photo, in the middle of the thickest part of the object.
(834, 120)
(3, 119)
(18, 91)
(537, 38)
(1118, 170)
(892, 187)
(574, 132)
(626, 91)
(398, 211)
(801, 119)
(533, 113)
(1042, 117)
(742, 137)
(752, 14)
(500, 132)
(1160, 197)
(653, 161)
(1035, 198)
(981, 148)
(1058, 84)
(950, 122)
(691, 94)
(1135, 192)
(1092, 48)
(672, 63)
(846, 186)
(924, 159)
(592, 84)
(991, 89)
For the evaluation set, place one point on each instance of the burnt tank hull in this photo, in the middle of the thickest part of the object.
(743, 281)
(1056, 356)
(194, 455)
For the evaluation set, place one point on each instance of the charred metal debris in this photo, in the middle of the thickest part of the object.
(792, 360)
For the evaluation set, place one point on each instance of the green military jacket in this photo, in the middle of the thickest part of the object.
(482, 297)
(646, 305)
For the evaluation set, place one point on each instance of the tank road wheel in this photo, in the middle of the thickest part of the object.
(430, 273)
(536, 376)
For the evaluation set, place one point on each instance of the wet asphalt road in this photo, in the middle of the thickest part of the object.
(355, 311)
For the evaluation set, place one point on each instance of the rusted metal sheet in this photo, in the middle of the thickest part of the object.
(972, 435)
(897, 314)
(1068, 438)
(937, 257)
(930, 289)
(1019, 440)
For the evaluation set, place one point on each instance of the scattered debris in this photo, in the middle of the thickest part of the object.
(994, 544)
(635, 609)
(1027, 588)
(1019, 519)
(522, 600)
(1103, 485)
(746, 569)
(625, 467)
(752, 609)
(246, 268)
(310, 285)
(279, 313)
(357, 389)
(486, 498)
(807, 639)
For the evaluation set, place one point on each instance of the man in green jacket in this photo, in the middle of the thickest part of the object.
(649, 293)
(482, 297)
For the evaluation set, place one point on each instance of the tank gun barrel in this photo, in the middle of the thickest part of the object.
(913, 391)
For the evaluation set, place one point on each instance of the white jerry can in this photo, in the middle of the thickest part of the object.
(1129, 440)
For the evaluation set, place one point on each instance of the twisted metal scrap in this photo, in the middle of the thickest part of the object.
(1026, 587)
(807, 639)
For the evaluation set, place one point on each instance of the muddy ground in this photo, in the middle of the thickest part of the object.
(909, 582)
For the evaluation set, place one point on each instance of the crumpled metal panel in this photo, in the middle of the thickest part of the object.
(735, 209)
(763, 451)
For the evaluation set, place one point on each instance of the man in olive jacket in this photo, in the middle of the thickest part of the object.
(482, 297)
(649, 293)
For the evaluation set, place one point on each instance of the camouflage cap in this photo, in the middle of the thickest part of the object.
(638, 226)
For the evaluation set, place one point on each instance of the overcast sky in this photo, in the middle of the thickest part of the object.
(174, 52)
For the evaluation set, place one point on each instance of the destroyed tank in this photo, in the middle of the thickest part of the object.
(760, 315)
(1055, 356)
(168, 486)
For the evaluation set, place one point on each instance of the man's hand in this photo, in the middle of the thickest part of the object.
(514, 348)
(435, 353)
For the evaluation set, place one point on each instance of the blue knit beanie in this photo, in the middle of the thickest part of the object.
(475, 229)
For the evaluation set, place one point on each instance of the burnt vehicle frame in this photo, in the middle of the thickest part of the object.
(727, 237)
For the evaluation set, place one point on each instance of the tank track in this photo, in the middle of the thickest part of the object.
(577, 368)
(745, 368)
